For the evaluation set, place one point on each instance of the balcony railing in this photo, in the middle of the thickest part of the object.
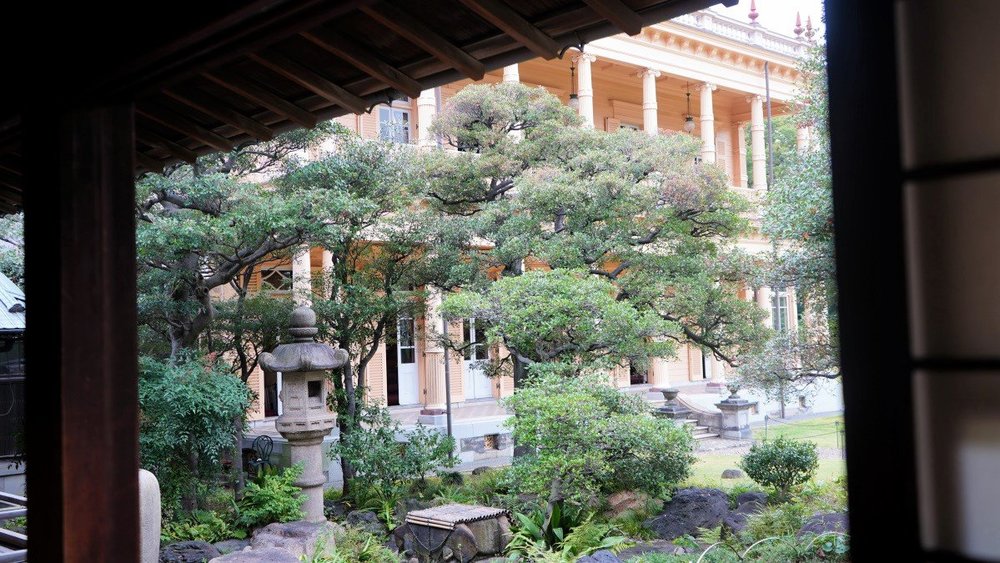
(13, 545)
(750, 34)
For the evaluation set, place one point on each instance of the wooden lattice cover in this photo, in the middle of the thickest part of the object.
(449, 515)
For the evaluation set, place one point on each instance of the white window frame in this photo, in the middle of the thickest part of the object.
(397, 128)
(779, 309)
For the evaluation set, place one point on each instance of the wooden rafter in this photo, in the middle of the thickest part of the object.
(399, 21)
(149, 163)
(259, 95)
(309, 79)
(509, 21)
(181, 124)
(617, 13)
(362, 60)
(156, 140)
(214, 108)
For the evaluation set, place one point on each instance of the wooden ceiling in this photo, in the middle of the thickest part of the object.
(231, 72)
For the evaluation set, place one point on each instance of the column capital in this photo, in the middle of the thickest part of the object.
(649, 72)
(584, 57)
(708, 86)
(754, 98)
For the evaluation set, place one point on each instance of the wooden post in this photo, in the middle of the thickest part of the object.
(81, 388)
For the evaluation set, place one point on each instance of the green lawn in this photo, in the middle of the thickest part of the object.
(707, 471)
(823, 431)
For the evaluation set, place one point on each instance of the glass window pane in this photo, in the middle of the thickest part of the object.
(406, 355)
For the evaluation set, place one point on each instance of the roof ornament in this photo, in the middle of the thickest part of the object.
(809, 28)
(798, 26)
(753, 12)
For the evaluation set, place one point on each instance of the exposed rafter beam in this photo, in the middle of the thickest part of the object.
(362, 60)
(617, 13)
(422, 36)
(259, 95)
(149, 163)
(175, 150)
(509, 21)
(311, 80)
(215, 108)
(181, 124)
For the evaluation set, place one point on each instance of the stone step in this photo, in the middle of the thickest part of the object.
(705, 435)
(690, 421)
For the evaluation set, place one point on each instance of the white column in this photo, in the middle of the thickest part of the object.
(764, 302)
(426, 110)
(649, 77)
(434, 354)
(707, 123)
(301, 276)
(757, 143)
(511, 73)
(793, 309)
(802, 138)
(585, 88)
(327, 273)
(741, 140)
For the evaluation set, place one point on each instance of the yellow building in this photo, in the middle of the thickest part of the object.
(702, 74)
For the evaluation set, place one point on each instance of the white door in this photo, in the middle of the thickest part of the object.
(477, 384)
(406, 356)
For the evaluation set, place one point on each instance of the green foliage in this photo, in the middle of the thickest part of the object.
(561, 539)
(781, 463)
(19, 524)
(275, 499)
(352, 545)
(202, 525)
(187, 412)
(586, 439)
(631, 209)
(384, 463)
(12, 247)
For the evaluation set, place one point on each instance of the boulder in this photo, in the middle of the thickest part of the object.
(603, 556)
(297, 538)
(688, 510)
(368, 521)
(624, 501)
(188, 552)
(492, 536)
(262, 555)
(751, 496)
(480, 539)
(655, 546)
(230, 546)
(334, 509)
(482, 469)
(733, 474)
(825, 522)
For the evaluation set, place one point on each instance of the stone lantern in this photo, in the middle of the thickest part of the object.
(305, 420)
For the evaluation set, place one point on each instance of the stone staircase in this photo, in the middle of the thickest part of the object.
(699, 432)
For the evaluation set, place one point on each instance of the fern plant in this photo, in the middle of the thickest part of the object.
(274, 499)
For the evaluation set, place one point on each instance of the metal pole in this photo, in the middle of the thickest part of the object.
(770, 135)
(447, 379)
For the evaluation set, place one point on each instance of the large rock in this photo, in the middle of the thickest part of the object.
(334, 509)
(732, 474)
(624, 501)
(263, 555)
(603, 556)
(492, 536)
(368, 521)
(230, 546)
(467, 541)
(689, 510)
(188, 552)
(297, 538)
(751, 496)
(822, 522)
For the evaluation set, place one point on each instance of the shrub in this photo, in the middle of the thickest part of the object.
(352, 545)
(587, 439)
(274, 499)
(187, 414)
(781, 464)
(203, 525)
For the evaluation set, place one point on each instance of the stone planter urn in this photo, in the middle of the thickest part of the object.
(735, 415)
(672, 408)
(305, 419)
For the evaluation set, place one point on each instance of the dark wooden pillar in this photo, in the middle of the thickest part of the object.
(81, 420)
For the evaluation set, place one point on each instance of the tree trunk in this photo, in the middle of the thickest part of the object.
(349, 422)
(240, 481)
(190, 499)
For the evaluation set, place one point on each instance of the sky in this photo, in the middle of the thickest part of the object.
(778, 15)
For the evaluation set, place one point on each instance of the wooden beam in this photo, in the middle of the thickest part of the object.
(309, 79)
(265, 98)
(149, 163)
(82, 423)
(509, 21)
(181, 124)
(617, 13)
(175, 150)
(216, 108)
(404, 24)
(362, 60)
